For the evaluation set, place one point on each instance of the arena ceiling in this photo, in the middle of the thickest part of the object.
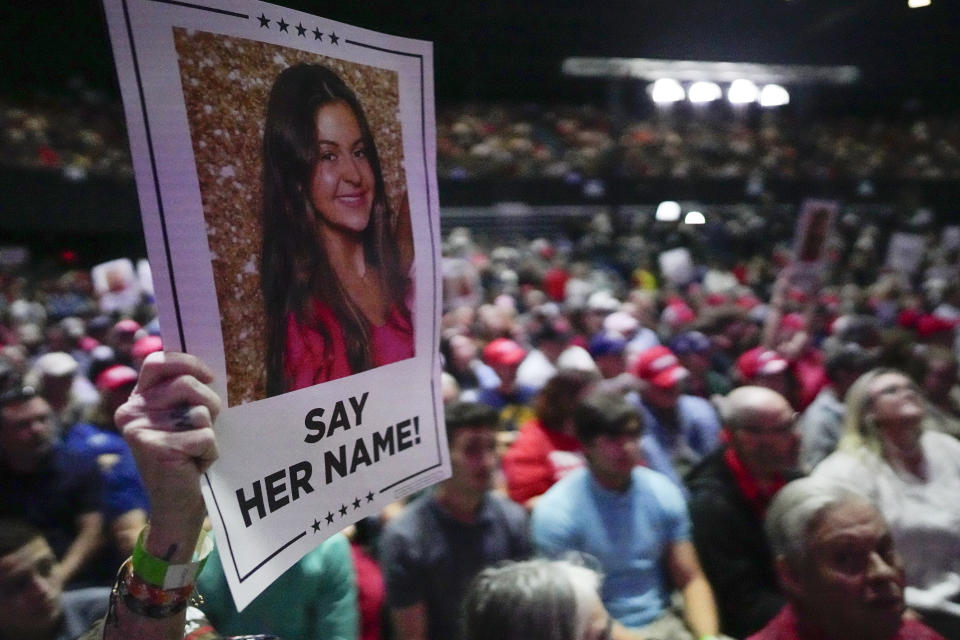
(512, 49)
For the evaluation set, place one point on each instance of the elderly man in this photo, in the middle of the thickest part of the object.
(837, 564)
(634, 521)
(729, 494)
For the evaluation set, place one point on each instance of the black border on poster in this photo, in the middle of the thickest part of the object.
(170, 272)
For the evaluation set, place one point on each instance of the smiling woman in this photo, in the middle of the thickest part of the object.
(334, 277)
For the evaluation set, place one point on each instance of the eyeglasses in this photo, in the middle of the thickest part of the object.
(784, 428)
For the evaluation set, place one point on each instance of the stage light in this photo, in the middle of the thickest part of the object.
(668, 211)
(916, 4)
(704, 92)
(773, 95)
(694, 217)
(742, 92)
(666, 90)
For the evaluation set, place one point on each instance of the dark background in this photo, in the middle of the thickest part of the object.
(507, 49)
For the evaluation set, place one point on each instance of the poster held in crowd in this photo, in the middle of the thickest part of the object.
(905, 252)
(814, 226)
(285, 167)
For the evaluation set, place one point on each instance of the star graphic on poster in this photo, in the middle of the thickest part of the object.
(334, 39)
(317, 34)
(264, 21)
(370, 496)
(316, 525)
(329, 517)
(343, 510)
(301, 30)
(283, 25)
(356, 503)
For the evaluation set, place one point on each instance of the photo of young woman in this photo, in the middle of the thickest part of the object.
(335, 256)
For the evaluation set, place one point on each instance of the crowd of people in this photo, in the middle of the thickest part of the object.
(80, 134)
(535, 142)
(644, 430)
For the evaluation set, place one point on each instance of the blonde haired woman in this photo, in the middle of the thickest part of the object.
(913, 476)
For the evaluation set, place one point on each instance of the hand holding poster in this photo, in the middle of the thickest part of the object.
(285, 167)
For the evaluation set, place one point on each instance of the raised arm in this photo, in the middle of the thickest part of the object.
(168, 423)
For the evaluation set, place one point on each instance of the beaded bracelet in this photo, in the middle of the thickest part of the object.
(145, 599)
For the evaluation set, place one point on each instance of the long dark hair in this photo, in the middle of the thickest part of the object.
(295, 269)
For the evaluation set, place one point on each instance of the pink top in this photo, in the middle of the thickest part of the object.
(310, 359)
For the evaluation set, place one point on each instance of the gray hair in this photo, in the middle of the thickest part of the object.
(532, 600)
(796, 510)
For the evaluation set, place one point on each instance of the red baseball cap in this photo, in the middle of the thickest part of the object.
(761, 361)
(115, 377)
(678, 314)
(146, 345)
(793, 321)
(930, 324)
(126, 326)
(660, 367)
(503, 351)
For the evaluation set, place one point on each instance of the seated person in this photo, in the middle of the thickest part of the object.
(729, 494)
(32, 604)
(837, 563)
(431, 551)
(315, 599)
(547, 448)
(57, 490)
(633, 520)
(125, 504)
(536, 600)
(510, 398)
(679, 429)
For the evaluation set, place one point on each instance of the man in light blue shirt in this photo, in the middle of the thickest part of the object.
(632, 520)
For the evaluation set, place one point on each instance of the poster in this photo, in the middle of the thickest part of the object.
(905, 252)
(677, 266)
(814, 226)
(285, 167)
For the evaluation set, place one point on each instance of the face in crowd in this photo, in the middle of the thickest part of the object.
(26, 433)
(894, 399)
(612, 457)
(763, 430)
(473, 459)
(29, 596)
(851, 577)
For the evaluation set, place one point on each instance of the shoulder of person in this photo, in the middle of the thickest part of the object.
(941, 442)
(562, 494)
(659, 486)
